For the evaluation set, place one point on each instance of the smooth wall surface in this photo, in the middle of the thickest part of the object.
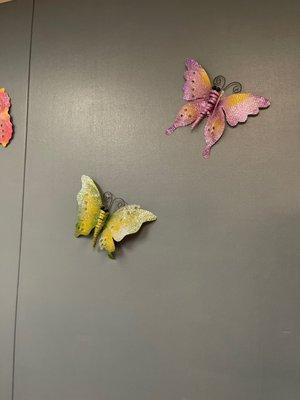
(15, 22)
(204, 303)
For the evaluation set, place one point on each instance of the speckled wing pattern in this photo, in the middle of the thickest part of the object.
(213, 130)
(207, 101)
(190, 113)
(238, 106)
(89, 206)
(195, 89)
(6, 128)
(123, 222)
(197, 83)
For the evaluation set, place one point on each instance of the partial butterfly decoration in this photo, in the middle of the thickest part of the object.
(6, 128)
(205, 100)
(94, 213)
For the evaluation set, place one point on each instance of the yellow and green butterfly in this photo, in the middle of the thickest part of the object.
(93, 214)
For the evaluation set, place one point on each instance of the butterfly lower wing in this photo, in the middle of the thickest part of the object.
(107, 242)
(190, 113)
(213, 130)
(6, 128)
(238, 106)
(197, 83)
(123, 222)
(89, 206)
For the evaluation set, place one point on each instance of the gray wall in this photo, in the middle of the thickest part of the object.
(204, 303)
(15, 22)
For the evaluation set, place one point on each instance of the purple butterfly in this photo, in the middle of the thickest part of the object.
(205, 100)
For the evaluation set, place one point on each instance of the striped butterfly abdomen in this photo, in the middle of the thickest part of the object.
(99, 225)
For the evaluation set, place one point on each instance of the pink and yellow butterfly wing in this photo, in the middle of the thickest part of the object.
(196, 89)
(197, 83)
(239, 106)
(213, 130)
(125, 221)
(6, 128)
(189, 114)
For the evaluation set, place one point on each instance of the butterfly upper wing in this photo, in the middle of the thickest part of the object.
(125, 221)
(238, 106)
(197, 83)
(190, 113)
(89, 205)
(195, 89)
(6, 128)
(213, 130)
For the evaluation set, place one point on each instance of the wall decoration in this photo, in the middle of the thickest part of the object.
(205, 100)
(95, 212)
(6, 128)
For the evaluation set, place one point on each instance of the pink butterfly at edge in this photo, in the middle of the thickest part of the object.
(6, 127)
(205, 100)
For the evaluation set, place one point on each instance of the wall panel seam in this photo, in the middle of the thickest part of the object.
(22, 206)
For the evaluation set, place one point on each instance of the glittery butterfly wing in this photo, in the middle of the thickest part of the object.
(89, 206)
(213, 130)
(197, 83)
(125, 221)
(239, 106)
(190, 113)
(196, 89)
(6, 128)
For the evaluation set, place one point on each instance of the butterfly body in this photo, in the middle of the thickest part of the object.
(102, 217)
(205, 100)
(110, 227)
(213, 98)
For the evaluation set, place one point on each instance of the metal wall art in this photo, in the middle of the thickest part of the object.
(110, 218)
(207, 100)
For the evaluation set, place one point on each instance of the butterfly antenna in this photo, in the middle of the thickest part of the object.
(112, 202)
(236, 87)
(219, 81)
(109, 198)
